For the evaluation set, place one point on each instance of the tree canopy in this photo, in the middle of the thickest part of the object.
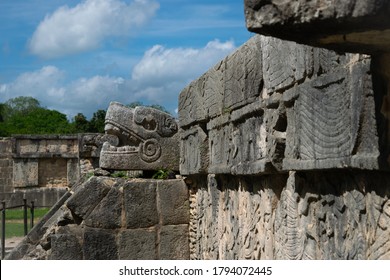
(25, 115)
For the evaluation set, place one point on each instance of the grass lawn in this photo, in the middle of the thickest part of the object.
(14, 221)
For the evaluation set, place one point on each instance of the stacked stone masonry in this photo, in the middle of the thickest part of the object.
(290, 160)
(41, 167)
(110, 218)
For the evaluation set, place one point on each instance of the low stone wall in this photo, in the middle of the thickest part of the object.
(110, 218)
(40, 168)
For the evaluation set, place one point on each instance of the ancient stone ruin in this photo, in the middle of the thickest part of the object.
(146, 139)
(284, 150)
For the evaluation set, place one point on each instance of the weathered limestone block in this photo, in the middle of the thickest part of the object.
(331, 120)
(140, 203)
(45, 146)
(194, 151)
(95, 189)
(138, 244)
(65, 244)
(147, 139)
(349, 25)
(174, 242)
(25, 173)
(231, 83)
(108, 213)
(238, 145)
(100, 244)
(172, 198)
(317, 215)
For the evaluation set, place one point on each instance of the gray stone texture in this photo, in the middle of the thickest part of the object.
(108, 213)
(174, 242)
(172, 199)
(349, 25)
(140, 203)
(309, 108)
(318, 215)
(138, 244)
(87, 197)
(65, 244)
(147, 139)
(100, 244)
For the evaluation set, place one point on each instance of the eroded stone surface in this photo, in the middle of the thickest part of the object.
(306, 108)
(147, 139)
(113, 218)
(318, 215)
(350, 25)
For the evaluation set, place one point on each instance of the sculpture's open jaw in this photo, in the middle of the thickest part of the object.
(127, 142)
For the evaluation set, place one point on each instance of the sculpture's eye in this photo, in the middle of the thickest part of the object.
(149, 123)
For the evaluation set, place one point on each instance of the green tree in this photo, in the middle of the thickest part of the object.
(80, 123)
(38, 121)
(2, 111)
(20, 105)
(96, 124)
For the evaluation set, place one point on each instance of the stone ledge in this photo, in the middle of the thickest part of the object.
(350, 25)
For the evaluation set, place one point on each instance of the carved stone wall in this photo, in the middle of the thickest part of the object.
(290, 160)
(300, 215)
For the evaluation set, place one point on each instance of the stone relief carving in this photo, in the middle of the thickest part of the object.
(147, 139)
(299, 216)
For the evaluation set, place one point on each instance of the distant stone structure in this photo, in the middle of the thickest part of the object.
(146, 139)
(40, 168)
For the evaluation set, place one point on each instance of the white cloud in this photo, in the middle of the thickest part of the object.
(158, 78)
(32, 83)
(162, 72)
(85, 26)
(160, 64)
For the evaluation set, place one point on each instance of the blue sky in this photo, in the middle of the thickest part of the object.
(77, 56)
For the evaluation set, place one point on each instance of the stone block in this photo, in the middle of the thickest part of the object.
(100, 244)
(25, 172)
(72, 171)
(350, 25)
(331, 121)
(232, 83)
(194, 151)
(108, 213)
(88, 195)
(140, 203)
(174, 244)
(138, 244)
(147, 139)
(238, 142)
(53, 172)
(172, 200)
(284, 63)
(65, 247)
(243, 75)
(46, 146)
